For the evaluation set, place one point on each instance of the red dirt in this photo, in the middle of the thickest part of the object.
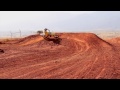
(78, 56)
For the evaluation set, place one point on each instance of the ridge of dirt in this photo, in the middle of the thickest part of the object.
(29, 40)
(74, 55)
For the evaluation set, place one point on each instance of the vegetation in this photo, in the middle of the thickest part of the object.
(39, 32)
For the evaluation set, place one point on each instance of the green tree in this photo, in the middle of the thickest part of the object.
(39, 32)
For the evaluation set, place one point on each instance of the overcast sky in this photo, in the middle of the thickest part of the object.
(56, 20)
(35, 20)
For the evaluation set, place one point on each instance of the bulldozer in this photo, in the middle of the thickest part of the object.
(50, 36)
(47, 35)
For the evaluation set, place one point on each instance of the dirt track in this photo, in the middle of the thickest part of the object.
(79, 55)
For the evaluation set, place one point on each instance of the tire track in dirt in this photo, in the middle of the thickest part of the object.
(82, 55)
(84, 46)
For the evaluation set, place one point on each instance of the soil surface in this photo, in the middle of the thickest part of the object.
(72, 56)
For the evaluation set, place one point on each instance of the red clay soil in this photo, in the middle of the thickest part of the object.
(76, 56)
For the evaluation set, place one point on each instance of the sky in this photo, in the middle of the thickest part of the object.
(34, 20)
(58, 21)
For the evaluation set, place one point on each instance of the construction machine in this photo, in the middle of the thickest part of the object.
(47, 35)
(50, 36)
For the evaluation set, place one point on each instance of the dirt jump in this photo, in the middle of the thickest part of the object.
(73, 56)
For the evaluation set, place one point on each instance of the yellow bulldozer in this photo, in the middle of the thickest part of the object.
(47, 35)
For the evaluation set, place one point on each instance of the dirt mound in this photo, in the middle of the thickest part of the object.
(29, 40)
(75, 55)
(115, 40)
(89, 38)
